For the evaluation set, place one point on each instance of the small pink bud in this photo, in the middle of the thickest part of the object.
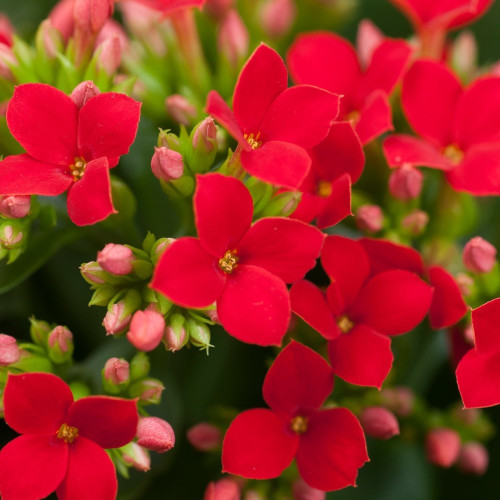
(400, 400)
(161, 245)
(219, 8)
(473, 459)
(48, 39)
(6, 30)
(146, 330)
(136, 456)
(61, 17)
(92, 273)
(379, 422)
(91, 15)
(10, 237)
(415, 222)
(115, 321)
(205, 135)
(277, 17)
(204, 436)
(7, 58)
(465, 283)
(117, 371)
(223, 489)
(302, 491)
(469, 334)
(167, 164)
(181, 110)
(442, 446)
(83, 92)
(405, 182)
(9, 350)
(232, 38)
(155, 434)
(464, 54)
(116, 259)
(15, 206)
(175, 338)
(368, 39)
(109, 55)
(370, 218)
(151, 391)
(252, 495)
(479, 256)
(60, 337)
(110, 30)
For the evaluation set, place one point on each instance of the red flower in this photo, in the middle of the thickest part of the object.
(329, 445)
(68, 149)
(459, 128)
(242, 267)
(273, 124)
(61, 447)
(361, 310)
(330, 62)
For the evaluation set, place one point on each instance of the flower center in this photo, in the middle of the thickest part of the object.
(345, 324)
(453, 153)
(253, 140)
(298, 424)
(353, 117)
(78, 168)
(229, 262)
(324, 189)
(67, 433)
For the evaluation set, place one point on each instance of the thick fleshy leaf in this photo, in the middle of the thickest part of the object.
(109, 422)
(44, 121)
(311, 305)
(89, 199)
(91, 474)
(188, 275)
(36, 403)
(258, 445)
(22, 174)
(107, 126)
(299, 379)
(361, 356)
(32, 466)
(301, 115)
(429, 98)
(254, 306)
(485, 320)
(217, 107)
(285, 247)
(263, 78)
(223, 209)
(392, 302)
(279, 163)
(338, 204)
(331, 450)
(375, 117)
(447, 305)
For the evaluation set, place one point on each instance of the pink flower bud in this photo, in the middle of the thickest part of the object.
(146, 330)
(232, 38)
(464, 54)
(109, 55)
(113, 29)
(151, 391)
(61, 17)
(469, 334)
(369, 37)
(465, 283)
(223, 489)
(473, 459)
(116, 259)
(155, 434)
(10, 236)
(167, 164)
(219, 8)
(6, 30)
(136, 456)
(117, 371)
(9, 350)
(442, 446)
(205, 135)
(479, 256)
(83, 92)
(7, 58)
(92, 273)
(405, 182)
(379, 422)
(415, 222)
(48, 39)
(15, 206)
(204, 436)
(115, 321)
(175, 338)
(91, 15)
(400, 400)
(181, 110)
(252, 495)
(302, 491)
(61, 338)
(370, 218)
(277, 17)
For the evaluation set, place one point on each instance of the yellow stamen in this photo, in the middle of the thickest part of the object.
(253, 140)
(298, 424)
(78, 168)
(67, 433)
(229, 262)
(345, 324)
(324, 189)
(453, 153)
(353, 117)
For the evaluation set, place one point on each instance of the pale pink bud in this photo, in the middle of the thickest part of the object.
(174, 339)
(223, 489)
(219, 8)
(114, 321)
(369, 37)
(61, 17)
(464, 54)
(60, 337)
(6, 30)
(110, 55)
(469, 334)
(117, 371)
(442, 446)
(91, 15)
(479, 256)
(113, 29)
(204, 436)
(167, 164)
(473, 459)
(232, 38)
(379, 422)
(277, 17)
(116, 259)
(415, 222)
(180, 109)
(400, 400)
(302, 491)
(252, 495)
(10, 237)
(205, 135)
(151, 391)
(7, 58)
(15, 206)
(155, 434)
(146, 330)
(405, 182)
(137, 457)
(370, 218)
(83, 92)
(465, 283)
(9, 350)
(92, 272)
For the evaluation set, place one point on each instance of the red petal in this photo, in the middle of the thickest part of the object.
(475, 9)
(36, 403)
(298, 380)
(338, 204)
(188, 275)
(375, 117)
(485, 322)
(279, 163)
(258, 445)
(107, 125)
(261, 80)
(429, 97)
(89, 199)
(22, 174)
(361, 357)
(392, 302)
(254, 306)
(44, 121)
(301, 115)
(223, 209)
(91, 474)
(285, 247)
(310, 205)
(217, 107)
(447, 305)
(310, 304)
(109, 422)
(331, 450)
(32, 466)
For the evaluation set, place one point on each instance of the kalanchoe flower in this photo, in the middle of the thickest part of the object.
(116, 319)
(155, 434)
(117, 371)
(181, 110)
(15, 207)
(204, 436)
(9, 350)
(243, 267)
(62, 441)
(379, 423)
(68, 149)
(273, 124)
(261, 443)
(442, 446)
(370, 218)
(116, 259)
(232, 38)
(146, 330)
(473, 458)
(479, 256)
(167, 164)
(60, 344)
(405, 183)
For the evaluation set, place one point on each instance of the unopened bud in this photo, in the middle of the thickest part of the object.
(223, 489)
(277, 17)
(405, 182)
(9, 350)
(282, 204)
(232, 39)
(116, 319)
(204, 436)
(415, 222)
(116, 371)
(379, 422)
(400, 400)
(109, 55)
(39, 331)
(175, 339)
(167, 164)
(155, 434)
(148, 390)
(370, 218)
(168, 140)
(11, 236)
(465, 284)
(464, 55)
(139, 366)
(116, 259)
(219, 8)
(369, 37)
(479, 256)
(91, 15)
(136, 456)
(159, 247)
(93, 273)
(180, 109)
(61, 17)
(7, 59)
(199, 334)
(83, 92)
(6, 30)
(442, 446)
(15, 206)
(473, 459)
(302, 491)
(60, 342)
(204, 135)
(146, 330)
(49, 40)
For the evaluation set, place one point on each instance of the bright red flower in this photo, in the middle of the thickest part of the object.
(330, 62)
(328, 445)
(273, 124)
(459, 128)
(361, 310)
(68, 149)
(243, 267)
(62, 441)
